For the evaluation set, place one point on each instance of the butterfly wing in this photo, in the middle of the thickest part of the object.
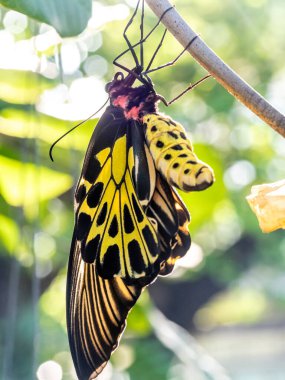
(97, 309)
(173, 154)
(111, 199)
(111, 225)
(173, 218)
(181, 241)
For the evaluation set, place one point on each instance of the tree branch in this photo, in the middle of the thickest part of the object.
(230, 80)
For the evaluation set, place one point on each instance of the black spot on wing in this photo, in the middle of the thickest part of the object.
(113, 229)
(167, 156)
(183, 155)
(94, 195)
(176, 165)
(172, 134)
(164, 120)
(135, 255)
(83, 225)
(102, 215)
(177, 147)
(148, 237)
(186, 171)
(80, 193)
(137, 209)
(183, 136)
(153, 128)
(111, 262)
(159, 144)
(92, 169)
(89, 251)
(199, 171)
(128, 222)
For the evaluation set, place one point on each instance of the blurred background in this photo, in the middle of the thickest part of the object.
(221, 314)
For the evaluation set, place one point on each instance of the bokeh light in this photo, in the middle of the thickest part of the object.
(49, 370)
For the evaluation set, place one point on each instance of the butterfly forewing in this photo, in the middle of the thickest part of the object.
(115, 248)
(111, 224)
(97, 309)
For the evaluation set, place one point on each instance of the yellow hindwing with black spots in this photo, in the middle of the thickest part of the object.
(173, 154)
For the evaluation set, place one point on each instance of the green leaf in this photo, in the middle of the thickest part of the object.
(24, 184)
(68, 17)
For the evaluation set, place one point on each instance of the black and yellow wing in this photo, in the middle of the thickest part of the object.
(115, 188)
(173, 219)
(174, 155)
(115, 246)
(130, 226)
(97, 309)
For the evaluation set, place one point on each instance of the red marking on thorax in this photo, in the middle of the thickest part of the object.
(121, 101)
(133, 113)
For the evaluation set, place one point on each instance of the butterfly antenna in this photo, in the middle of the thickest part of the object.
(142, 36)
(72, 129)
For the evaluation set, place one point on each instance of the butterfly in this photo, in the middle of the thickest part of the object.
(130, 223)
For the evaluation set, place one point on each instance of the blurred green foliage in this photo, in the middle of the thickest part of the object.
(47, 85)
(56, 13)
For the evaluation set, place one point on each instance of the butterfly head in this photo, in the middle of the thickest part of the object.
(135, 101)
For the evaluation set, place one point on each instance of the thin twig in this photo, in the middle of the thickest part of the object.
(230, 80)
(193, 358)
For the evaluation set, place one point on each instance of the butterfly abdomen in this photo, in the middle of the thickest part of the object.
(173, 154)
